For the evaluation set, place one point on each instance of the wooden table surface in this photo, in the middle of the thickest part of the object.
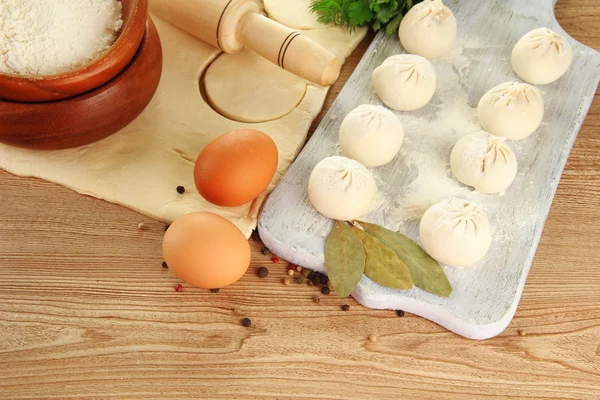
(87, 311)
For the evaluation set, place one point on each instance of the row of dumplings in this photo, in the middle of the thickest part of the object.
(454, 231)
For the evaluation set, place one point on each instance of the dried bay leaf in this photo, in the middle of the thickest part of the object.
(344, 258)
(383, 265)
(426, 272)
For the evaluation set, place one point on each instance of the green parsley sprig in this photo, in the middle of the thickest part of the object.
(377, 14)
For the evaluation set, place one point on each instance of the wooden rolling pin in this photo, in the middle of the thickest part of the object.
(232, 25)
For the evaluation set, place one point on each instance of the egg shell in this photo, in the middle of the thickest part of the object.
(236, 167)
(206, 250)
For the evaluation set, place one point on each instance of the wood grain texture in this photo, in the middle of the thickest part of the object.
(485, 297)
(88, 77)
(87, 312)
(87, 118)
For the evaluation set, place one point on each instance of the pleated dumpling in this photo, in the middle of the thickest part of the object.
(541, 56)
(341, 189)
(484, 162)
(513, 110)
(455, 232)
(428, 29)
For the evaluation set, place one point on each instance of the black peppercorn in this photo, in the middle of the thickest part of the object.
(246, 322)
(323, 279)
(311, 275)
(315, 280)
(325, 290)
(345, 307)
(400, 313)
(164, 264)
(265, 251)
(180, 189)
(214, 290)
(263, 272)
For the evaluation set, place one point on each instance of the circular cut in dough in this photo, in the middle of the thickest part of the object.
(341, 188)
(484, 162)
(247, 88)
(512, 110)
(455, 232)
(541, 56)
(293, 13)
(428, 29)
(405, 82)
(371, 135)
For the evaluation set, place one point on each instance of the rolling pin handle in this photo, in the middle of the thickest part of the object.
(289, 49)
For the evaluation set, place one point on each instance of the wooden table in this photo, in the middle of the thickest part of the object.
(87, 311)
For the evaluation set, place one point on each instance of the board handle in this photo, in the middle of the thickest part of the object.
(289, 49)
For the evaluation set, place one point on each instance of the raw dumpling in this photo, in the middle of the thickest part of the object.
(405, 82)
(428, 29)
(371, 135)
(541, 56)
(455, 232)
(484, 162)
(512, 110)
(341, 188)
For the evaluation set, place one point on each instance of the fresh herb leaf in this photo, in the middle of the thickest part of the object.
(377, 14)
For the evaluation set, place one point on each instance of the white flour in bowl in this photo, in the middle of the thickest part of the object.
(45, 37)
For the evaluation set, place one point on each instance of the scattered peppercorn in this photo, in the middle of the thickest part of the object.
(246, 322)
(216, 290)
(285, 281)
(325, 290)
(178, 288)
(141, 226)
(315, 280)
(290, 272)
(305, 272)
(299, 279)
(263, 272)
(323, 279)
(345, 307)
(400, 313)
(317, 298)
(311, 275)
(299, 268)
(180, 189)
(164, 264)
(265, 251)
(521, 332)
(292, 266)
(373, 338)
(275, 260)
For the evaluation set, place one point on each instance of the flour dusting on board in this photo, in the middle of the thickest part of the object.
(429, 139)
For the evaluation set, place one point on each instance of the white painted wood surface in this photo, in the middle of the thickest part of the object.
(486, 296)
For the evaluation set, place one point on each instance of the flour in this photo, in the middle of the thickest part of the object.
(45, 37)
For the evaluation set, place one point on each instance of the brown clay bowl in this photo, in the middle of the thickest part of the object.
(35, 89)
(92, 116)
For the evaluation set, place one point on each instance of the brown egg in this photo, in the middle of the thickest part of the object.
(236, 167)
(206, 250)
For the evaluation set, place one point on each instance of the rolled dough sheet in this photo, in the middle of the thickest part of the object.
(140, 166)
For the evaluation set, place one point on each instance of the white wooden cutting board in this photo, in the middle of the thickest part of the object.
(486, 296)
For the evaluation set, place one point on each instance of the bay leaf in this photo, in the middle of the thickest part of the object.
(383, 265)
(344, 258)
(425, 272)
